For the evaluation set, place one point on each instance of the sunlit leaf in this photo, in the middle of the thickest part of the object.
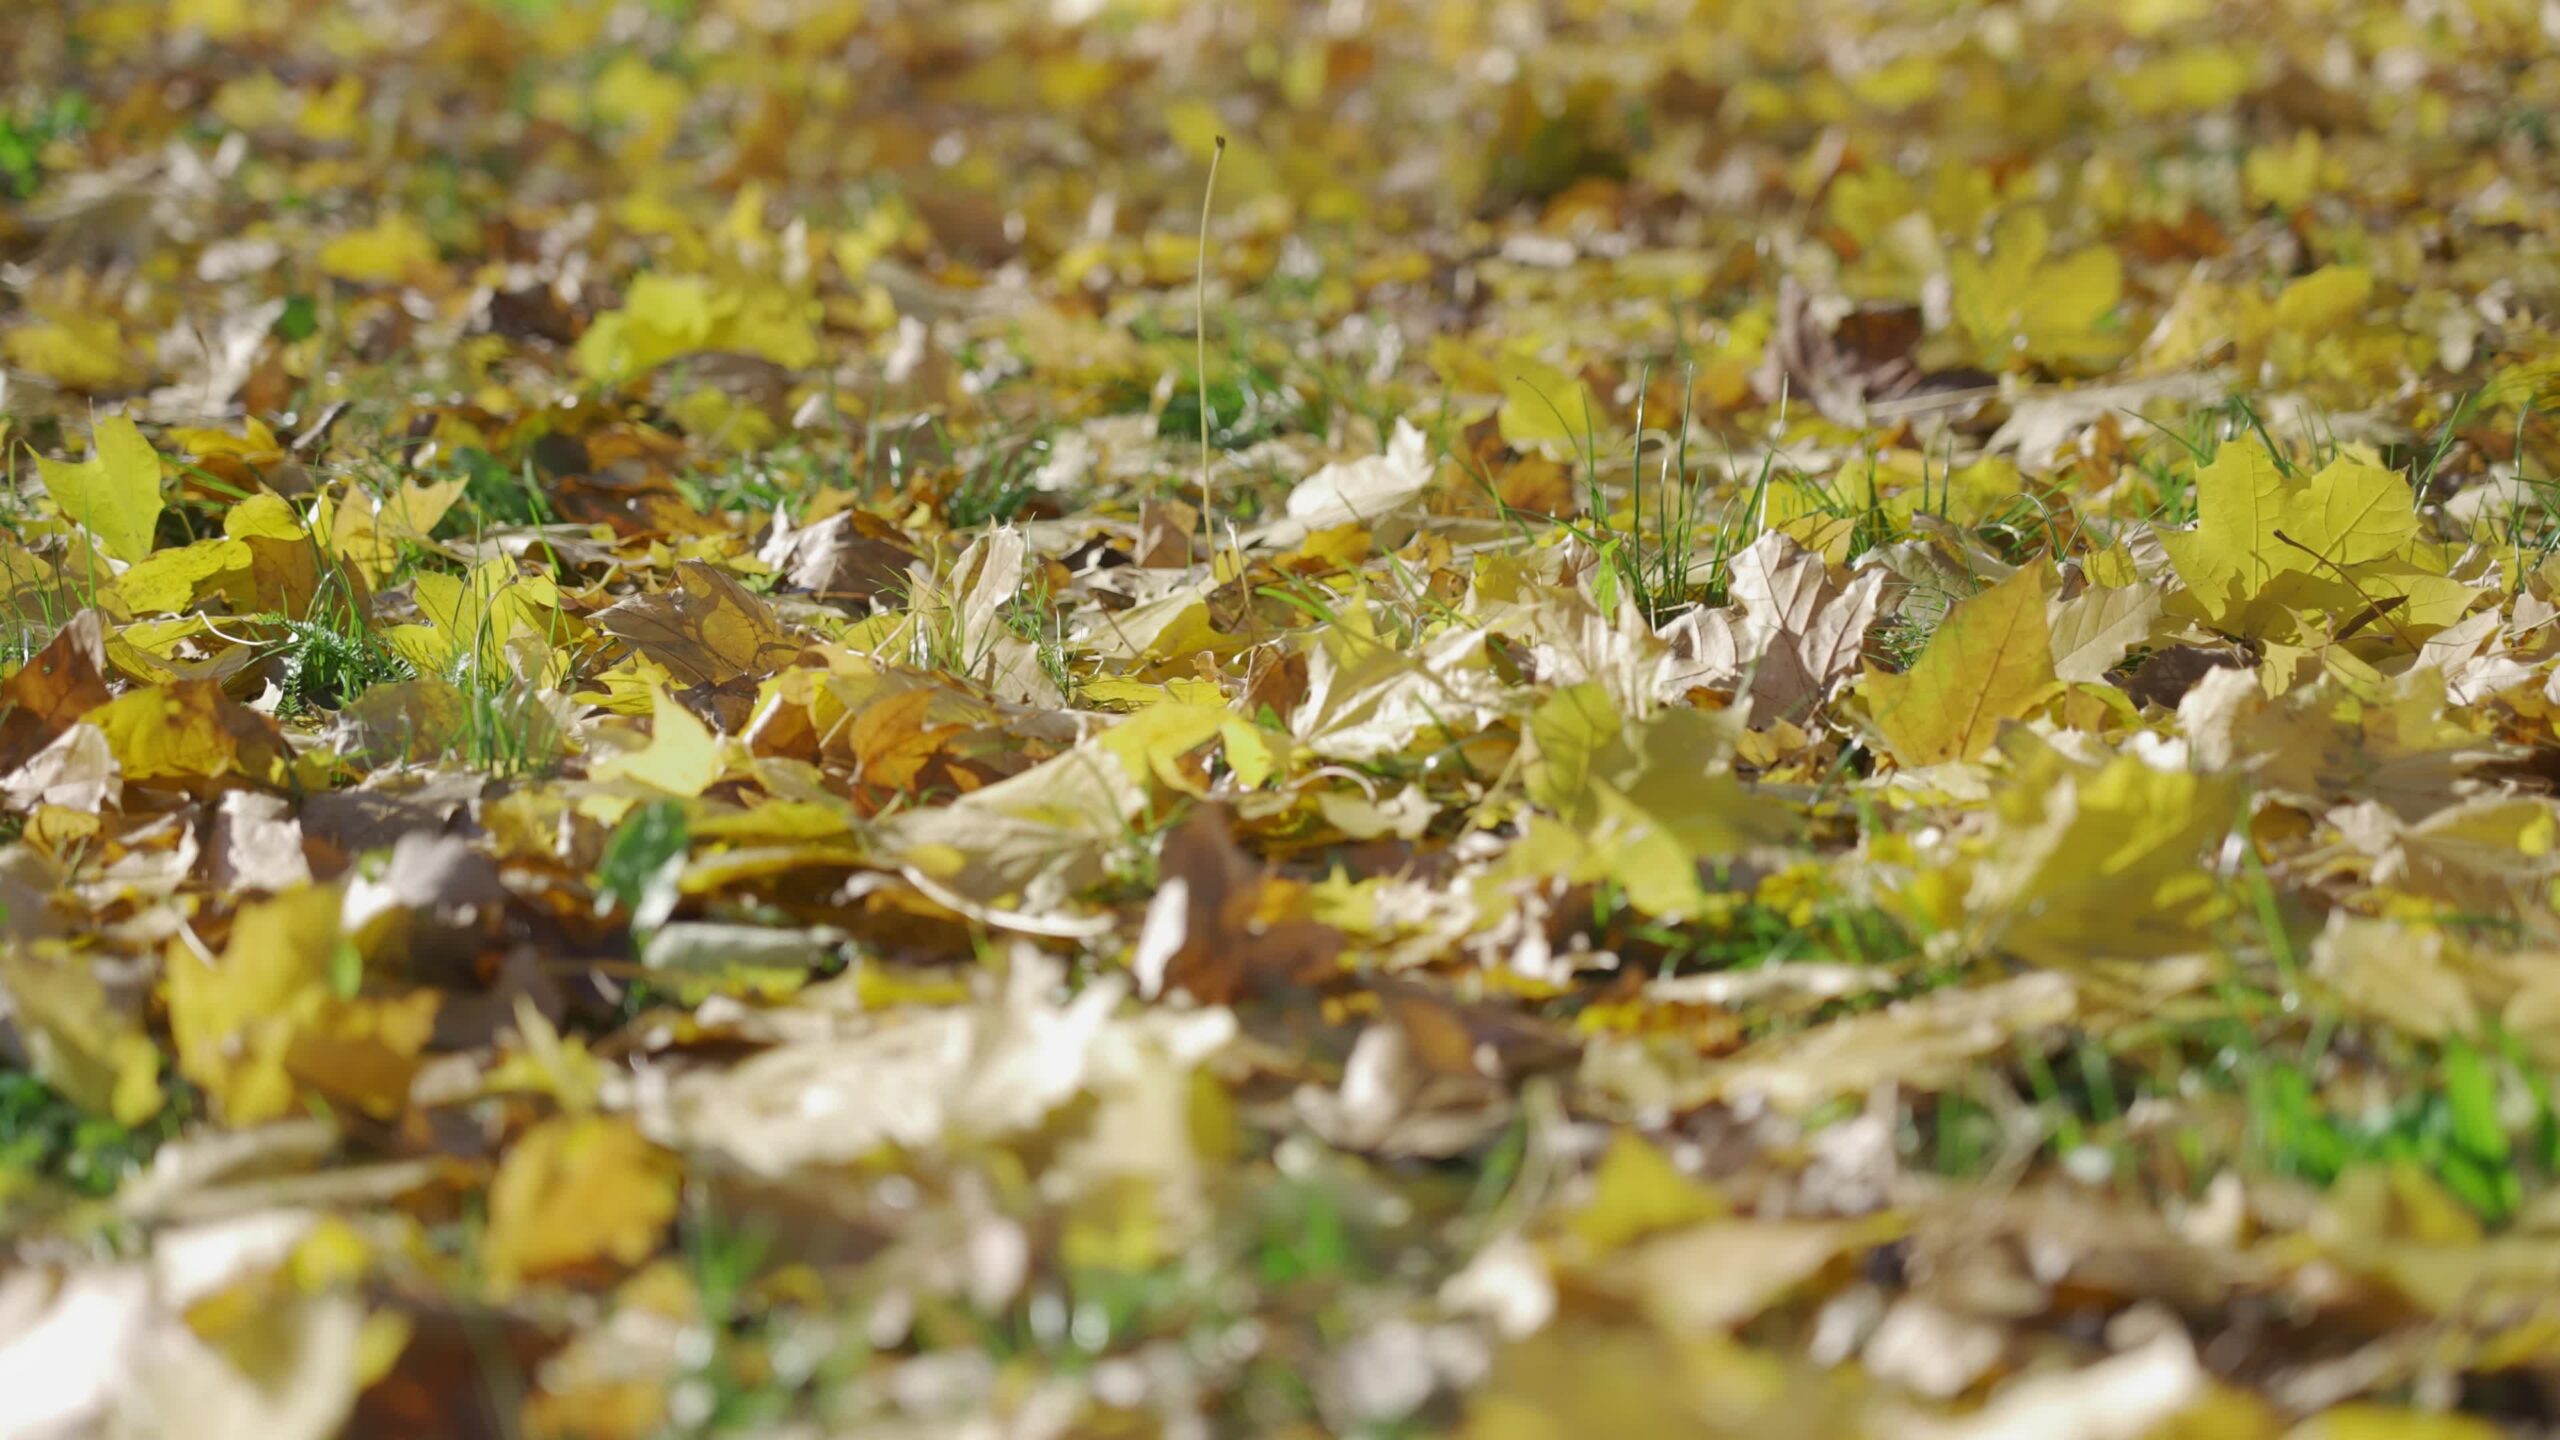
(115, 492)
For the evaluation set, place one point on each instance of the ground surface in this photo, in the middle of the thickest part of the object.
(1865, 750)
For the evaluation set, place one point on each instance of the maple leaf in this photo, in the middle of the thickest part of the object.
(681, 758)
(2271, 549)
(1589, 986)
(2020, 301)
(263, 1024)
(1807, 629)
(2094, 629)
(1991, 660)
(1642, 803)
(1207, 932)
(852, 555)
(2102, 863)
(81, 1042)
(370, 534)
(191, 736)
(711, 631)
(573, 1191)
(115, 492)
(53, 689)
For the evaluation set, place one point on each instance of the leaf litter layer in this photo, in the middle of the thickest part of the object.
(1859, 740)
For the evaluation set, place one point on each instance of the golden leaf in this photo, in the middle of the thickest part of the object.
(576, 1190)
(115, 492)
(1992, 660)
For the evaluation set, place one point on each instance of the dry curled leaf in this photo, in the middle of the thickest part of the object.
(1207, 931)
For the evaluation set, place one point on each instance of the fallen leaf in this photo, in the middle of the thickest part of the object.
(261, 1025)
(190, 736)
(81, 1042)
(1206, 932)
(681, 758)
(49, 693)
(710, 631)
(2095, 629)
(115, 492)
(576, 1191)
(1991, 660)
(1637, 1191)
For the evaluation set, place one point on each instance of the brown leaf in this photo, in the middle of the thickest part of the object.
(2167, 674)
(711, 631)
(1539, 485)
(57, 685)
(1810, 630)
(1165, 528)
(891, 742)
(1204, 934)
(851, 556)
(1848, 358)
(1487, 1040)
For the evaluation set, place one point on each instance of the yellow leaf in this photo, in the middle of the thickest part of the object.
(263, 1026)
(2103, 863)
(263, 516)
(478, 617)
(2352, 513)
(233, 1019)
(681, 758)
(2266, 547)
(2284, 176)
(1682, 782)
(167, 583)
(666, 316)
(1543, 402)
(188, 735)
(2194, 78)
(635, 93)
(335, 115)
(2239, 507)
(2019, 302)
(368, 535)
(1253, 753)
(255, 443)
(82, 351)
(1992, 660)
(547, 1063)
(1578, 734)
(1645, 802)
(365, 1052)
(1636, 1192)
(1114, 1226)
(2326, 299)
(115, 492)
(1151, 743)
(2112, 567)
(392, 250)
(78, 1041)
(576, 1190)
